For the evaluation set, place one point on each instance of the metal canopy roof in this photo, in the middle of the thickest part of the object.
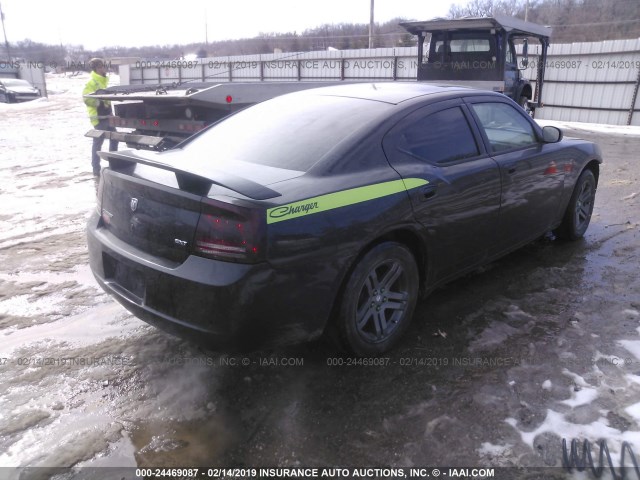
(510, 24)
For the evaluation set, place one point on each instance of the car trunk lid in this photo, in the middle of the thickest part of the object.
(153, 218)
(165, 211)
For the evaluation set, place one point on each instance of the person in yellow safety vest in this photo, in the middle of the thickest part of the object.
(99, 110)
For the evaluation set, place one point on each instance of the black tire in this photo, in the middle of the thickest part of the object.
(578, 214)
(379, 299)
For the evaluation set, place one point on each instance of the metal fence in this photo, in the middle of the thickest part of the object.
(593, 82)
(364, 64)
(584, 82)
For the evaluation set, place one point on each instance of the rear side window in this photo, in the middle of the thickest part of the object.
(462, 46)
(505, 127)
(291, 132)
(441, 137)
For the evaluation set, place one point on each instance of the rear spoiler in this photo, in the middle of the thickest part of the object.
(190, 181)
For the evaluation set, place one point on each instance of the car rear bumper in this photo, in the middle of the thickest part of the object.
(224, 306)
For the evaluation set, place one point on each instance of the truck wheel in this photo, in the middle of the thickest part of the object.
(578, 214)
(379, 299)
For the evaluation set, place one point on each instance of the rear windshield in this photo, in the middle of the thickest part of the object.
(292, 132)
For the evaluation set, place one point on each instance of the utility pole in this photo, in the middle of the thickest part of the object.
(6, 42)
(206, 28)
(526, 12)
(371, 26)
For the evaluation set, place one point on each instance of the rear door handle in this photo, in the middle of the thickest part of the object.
(428, 192)
(511, 169)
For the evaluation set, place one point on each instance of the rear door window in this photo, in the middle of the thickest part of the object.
(441, 137)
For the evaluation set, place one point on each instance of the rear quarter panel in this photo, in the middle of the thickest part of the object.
(318, 249)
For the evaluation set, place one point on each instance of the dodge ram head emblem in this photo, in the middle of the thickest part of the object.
(134, 204)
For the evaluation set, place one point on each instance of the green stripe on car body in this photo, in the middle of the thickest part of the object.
(343, 198)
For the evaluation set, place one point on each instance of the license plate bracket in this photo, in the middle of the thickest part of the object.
(124, 276)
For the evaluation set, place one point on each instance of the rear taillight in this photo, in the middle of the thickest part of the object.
(230, 233)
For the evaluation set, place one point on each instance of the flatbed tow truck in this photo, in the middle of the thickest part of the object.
(159, 117)
(477, 52)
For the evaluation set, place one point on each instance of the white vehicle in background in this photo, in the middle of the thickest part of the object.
(13, 90)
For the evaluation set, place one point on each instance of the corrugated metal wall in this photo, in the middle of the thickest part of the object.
(365, 64)
(584, 82)
(593, 82)
(34, 74)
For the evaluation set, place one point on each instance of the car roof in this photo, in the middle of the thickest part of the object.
(388, 92)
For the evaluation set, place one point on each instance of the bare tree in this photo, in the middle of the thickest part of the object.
(588, 20)
(487, 8)
(572, 20)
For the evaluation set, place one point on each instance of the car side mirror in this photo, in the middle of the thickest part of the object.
(551, 134)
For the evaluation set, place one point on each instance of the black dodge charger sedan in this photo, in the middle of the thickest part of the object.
(331, 208)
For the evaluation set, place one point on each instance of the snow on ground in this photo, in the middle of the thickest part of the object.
(62, 340)
(579, 127)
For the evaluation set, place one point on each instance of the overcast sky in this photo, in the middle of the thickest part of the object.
(136, 23)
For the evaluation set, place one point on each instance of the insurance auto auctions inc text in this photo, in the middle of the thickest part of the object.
(374, 473)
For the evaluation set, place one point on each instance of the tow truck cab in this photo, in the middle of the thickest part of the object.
(481, 52)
